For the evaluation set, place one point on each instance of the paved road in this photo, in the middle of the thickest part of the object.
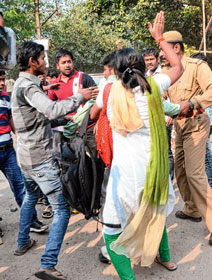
(79, 254)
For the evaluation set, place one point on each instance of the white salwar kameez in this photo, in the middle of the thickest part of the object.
(131, 154)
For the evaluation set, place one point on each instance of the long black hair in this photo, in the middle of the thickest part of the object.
(129, 66)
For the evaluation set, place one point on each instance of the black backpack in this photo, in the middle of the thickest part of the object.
(82, 172)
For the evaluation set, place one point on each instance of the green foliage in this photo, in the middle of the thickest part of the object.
(90, 28)
(89, 41)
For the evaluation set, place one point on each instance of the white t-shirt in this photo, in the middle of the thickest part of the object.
(162, 80)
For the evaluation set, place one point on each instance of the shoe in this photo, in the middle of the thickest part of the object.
(103, 259)
(50, 274)
(25, 249)
(181, 215)
(210, 239)
(38, 227)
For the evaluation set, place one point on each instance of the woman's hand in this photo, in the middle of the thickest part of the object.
(157, 28)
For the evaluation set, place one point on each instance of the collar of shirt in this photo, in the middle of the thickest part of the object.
(157, 70)
(75, 74)
(31, 77)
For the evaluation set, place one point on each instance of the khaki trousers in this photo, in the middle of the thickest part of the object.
(190, 145)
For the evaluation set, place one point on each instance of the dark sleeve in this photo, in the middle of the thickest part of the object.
(87, 81)
(58, 122)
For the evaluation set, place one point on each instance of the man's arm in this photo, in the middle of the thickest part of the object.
(204, 79)
(12, 125)
(171, 109)
(53, 109)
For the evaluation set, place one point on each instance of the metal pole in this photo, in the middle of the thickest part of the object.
(204, 33)
(37, 18)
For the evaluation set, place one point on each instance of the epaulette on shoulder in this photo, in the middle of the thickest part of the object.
(195, 60)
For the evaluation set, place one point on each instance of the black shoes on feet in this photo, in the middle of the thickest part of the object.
(103, 259)
(181, 215)
(38, 227)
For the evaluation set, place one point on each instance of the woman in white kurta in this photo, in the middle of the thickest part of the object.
(131, 154)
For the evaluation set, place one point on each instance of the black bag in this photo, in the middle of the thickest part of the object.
(83, 172)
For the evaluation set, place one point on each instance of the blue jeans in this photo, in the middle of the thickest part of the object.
(46, 177)
(208, 159)
(11, 170)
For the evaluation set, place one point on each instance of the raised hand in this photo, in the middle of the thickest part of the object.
(157, 28)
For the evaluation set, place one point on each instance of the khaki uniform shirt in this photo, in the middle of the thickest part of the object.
(195, 84)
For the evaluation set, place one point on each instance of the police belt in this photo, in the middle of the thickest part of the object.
(190, 114)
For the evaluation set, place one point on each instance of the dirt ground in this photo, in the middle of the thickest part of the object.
(79, 254)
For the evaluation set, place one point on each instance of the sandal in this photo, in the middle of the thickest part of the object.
(165, 264)
(47, 212)
(25, 249)
(50, 275)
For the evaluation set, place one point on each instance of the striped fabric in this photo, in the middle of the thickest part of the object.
(5, 114)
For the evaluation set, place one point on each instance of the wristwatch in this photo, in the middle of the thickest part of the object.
(191, 105)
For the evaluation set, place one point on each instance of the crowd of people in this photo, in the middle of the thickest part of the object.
(136, 94)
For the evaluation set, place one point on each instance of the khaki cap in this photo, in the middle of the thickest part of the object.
(172, 36)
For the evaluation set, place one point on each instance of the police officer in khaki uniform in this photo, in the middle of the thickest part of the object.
(194, 90)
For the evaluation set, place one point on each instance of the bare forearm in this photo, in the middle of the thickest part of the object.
(12, 125)
(94, 112)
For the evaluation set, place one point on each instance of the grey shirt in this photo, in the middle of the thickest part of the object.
(32, 111)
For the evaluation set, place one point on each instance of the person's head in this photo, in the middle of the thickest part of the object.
(2, 24)
(175, 39)
(51, 75)
(200, 56)
(108, 63)
(130, 67)
(2, 81)
(151, 59)
(64, 62)
(30, 58)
